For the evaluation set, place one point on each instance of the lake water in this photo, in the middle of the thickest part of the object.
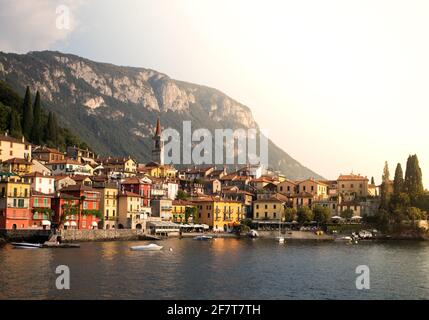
(219, 269)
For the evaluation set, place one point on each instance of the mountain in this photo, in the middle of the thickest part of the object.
(114, 108)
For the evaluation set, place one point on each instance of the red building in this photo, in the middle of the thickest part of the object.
(40, 205)
(65, 211)
(139, 186)
(89, 214)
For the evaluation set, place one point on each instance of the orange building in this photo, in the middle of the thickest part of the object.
(14, 202)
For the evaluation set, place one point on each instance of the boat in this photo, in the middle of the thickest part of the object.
(61, 245)
(253, 234)
(26, 245)
(203, 237)
(346, 238)
(148, 247)
(280, 238)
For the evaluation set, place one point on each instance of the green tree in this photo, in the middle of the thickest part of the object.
(182, 195)
(347, 214)
(384, 188)
(15, 125)
(51, 130)
(321, 214)
(414, 214)
(191, 212)
(413, 183)
(27, 114)
(398, 181)
(304, 214)
(372, 181)
(4, 118)
(36, 131)
(290, 214)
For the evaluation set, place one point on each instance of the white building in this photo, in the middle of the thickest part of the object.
(69, 167)
(41, 183)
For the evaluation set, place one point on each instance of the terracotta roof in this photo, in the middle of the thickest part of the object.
(78, 187)
(12, 139)
(37, 174)
(17, 161)
(37, 193)
(182, 203)
(275, 198)
(47, 150)
(128, 194)
(351, 177)
(65, 161)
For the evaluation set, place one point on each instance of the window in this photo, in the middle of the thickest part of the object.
(257, 214)
(36, 202)
(303, 188)
(274, 215)
(312, 188)
(257, 206)
(274, 206)
(208, 215)
(288, 188)
(266, 206)
(281, 189)
(266, 214)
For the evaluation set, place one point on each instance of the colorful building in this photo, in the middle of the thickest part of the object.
(130, 214)
(14, 202)
(42, 214)
(17, 165)
(89, 214)
(109, 204)
(220, 214)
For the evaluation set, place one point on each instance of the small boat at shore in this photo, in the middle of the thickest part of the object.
(203, 237)
(253, 234)
(149, 247)
(61, 245)
(26, 245)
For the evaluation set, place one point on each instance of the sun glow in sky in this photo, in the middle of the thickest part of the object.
(341, 85)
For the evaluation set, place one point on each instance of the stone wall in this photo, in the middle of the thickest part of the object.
(27, 235)
(101, 235)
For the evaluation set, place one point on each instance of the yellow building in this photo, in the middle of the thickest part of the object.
(318, 189)
(351, 186)
(154, 169)
(109, 205)
(18, 166)
(14, 202)
(127, 166)
(219, 214)
(179, 209)
(272, 208)
(14, 148)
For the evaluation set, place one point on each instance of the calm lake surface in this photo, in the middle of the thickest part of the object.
(219, 269)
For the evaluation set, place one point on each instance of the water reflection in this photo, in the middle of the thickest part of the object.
(218, 269)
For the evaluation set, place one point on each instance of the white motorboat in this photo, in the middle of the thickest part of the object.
(253, 234)
(149, 247)
(203, 237)
(347, 238)
(281, 240)
(26, 245)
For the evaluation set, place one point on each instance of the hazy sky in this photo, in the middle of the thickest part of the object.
(341, 85)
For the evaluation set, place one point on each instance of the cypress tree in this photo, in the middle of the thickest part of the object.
(413, 183)
(398, 181)
(372, 181)
(27, 114)
(52, 129)
(384, 189)
(15, 125)
(36, 132)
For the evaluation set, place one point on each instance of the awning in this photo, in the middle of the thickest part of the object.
(206, 226)
(356, 217)
(73, 224)
(67, 224)
(197, 226)
(336, 217)
(94, 224)
(46, 223)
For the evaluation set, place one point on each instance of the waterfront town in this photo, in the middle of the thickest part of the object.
(43, 188)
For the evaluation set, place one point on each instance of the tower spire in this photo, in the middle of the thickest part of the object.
(158, 128)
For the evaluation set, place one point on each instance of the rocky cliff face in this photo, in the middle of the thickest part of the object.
(113, 108)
